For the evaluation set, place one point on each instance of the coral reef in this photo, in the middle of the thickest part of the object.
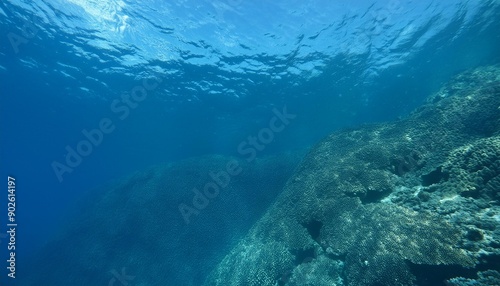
(413, 202)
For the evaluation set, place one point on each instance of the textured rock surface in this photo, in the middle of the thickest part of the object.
(408, 203)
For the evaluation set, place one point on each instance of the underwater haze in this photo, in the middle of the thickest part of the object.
(105, 103)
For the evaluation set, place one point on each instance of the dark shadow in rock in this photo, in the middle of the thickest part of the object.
(314, 228)
(436, 275)
(434, 177)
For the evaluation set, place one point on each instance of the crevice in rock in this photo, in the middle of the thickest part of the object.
(436, 275)
(434, 177)
(313, 228)
(373, 196)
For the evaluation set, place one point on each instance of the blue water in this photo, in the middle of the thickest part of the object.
(221, 68)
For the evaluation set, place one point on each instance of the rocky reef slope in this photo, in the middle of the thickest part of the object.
(132, 232)
(414, 202)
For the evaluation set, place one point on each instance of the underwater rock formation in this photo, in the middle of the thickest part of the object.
(414, 202)
(489, 277)
(132, 229)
